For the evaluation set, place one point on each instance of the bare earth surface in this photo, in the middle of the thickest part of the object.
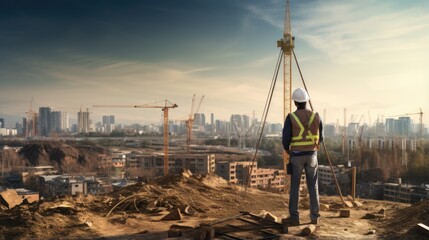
(139, 210)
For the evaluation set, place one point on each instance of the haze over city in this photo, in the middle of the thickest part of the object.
(360, 55)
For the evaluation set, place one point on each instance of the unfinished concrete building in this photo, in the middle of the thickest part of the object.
(405, 193)
(263, 178)
(62, 185)
(151, 165)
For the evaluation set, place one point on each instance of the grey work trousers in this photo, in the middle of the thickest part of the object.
(310, 165)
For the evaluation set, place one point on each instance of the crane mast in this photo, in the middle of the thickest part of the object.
(190, 121)
(287, 45)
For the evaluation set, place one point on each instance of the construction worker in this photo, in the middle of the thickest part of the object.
(302, 134)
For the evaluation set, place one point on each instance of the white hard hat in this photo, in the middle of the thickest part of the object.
(300, 95)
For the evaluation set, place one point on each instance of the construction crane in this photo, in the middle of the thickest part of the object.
(31, 121)
(287, 44)
(420, 119)
(190, 121)
(167, 105)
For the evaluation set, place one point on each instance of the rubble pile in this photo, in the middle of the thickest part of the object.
(200, 197)
(175, 204)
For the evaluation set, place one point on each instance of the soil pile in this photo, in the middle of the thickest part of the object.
(403, 222)
(11, 159)
(64, 157)
(135, 212)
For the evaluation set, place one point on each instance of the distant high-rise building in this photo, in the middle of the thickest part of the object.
(19, 128)
(212, 122)
(45, 125)
(404, 126)
(107, 120)
(56, 121)
(108, 123)
(401, 126)
(220, 127)
(83, 122)
(241, 121)
(30, 125)
(60, 121)
(199, 119)
(390, 126)
(246, 121)
(65, 121)
(2, 123)
(237, 120)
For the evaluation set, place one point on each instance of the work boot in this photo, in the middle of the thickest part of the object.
(314, 221)
(290, 221)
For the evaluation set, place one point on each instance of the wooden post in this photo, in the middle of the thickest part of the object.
(353, 190)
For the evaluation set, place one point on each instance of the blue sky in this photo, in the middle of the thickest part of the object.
(360, 55)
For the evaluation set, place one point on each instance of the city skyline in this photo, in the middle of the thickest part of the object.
(360, 55)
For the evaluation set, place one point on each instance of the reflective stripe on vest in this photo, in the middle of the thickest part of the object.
(312, 139)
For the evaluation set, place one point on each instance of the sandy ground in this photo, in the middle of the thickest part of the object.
(139, 214)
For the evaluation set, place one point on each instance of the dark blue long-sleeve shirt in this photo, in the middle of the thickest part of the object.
(287, 137)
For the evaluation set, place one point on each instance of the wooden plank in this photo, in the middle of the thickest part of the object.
(423, 228)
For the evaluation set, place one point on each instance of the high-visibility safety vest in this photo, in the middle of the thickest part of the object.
(305, 130)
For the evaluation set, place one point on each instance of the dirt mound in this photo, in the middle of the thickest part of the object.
(11, 159)
(404, 221)
(64, 157)
(135, 212)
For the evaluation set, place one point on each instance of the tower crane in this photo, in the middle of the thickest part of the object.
(167, 105)
(190, 121)
(420, 119)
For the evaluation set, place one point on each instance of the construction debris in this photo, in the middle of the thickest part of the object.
(174, 215)
(345, 213)
(423, 229)
(348, 204)
(137, 209)
(204, 232)
(270, 217)
(324, 207)
(357, 203)
(188, 210)
(373, 216)
(10, 198)
(307, 231)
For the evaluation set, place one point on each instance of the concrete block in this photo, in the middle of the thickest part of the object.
(345, 213)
